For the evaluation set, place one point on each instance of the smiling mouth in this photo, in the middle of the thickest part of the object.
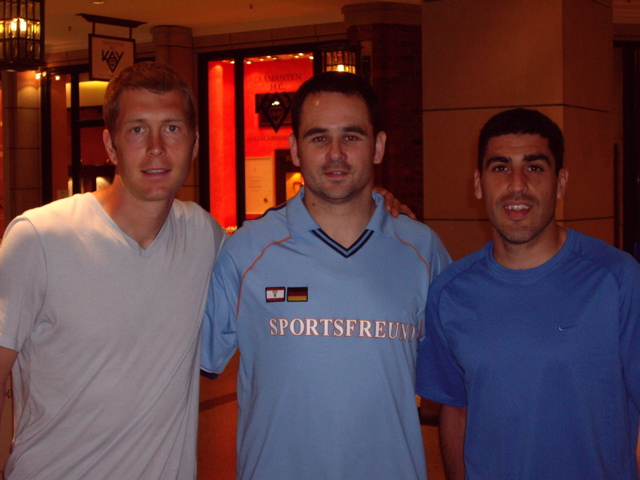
(517, 208)
(336, 174)
(157, 170)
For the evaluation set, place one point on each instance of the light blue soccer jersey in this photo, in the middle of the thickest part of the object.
(328, 341)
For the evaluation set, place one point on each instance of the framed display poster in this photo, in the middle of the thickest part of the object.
(259, 181)
(109, 55)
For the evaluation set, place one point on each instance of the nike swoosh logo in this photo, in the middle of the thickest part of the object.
(562, 329)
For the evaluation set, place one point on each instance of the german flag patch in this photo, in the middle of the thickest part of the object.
(297, 294)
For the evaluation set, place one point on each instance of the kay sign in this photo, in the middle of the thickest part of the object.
(109, 55)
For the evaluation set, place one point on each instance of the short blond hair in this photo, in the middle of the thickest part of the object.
(151, 76)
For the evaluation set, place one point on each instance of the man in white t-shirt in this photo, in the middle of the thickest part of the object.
(101, 300)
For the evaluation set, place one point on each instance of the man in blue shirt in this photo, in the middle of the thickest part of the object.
(325, 298)
(532, 342)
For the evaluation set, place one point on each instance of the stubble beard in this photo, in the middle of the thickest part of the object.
(523, 235)
(513, 232)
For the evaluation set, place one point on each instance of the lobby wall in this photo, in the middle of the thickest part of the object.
(485, 56)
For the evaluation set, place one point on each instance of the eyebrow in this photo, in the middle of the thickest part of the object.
(146, 120)
(527, 158)
(348, 129)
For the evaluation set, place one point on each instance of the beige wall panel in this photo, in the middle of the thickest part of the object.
(602, 229)
(588, 62)
(450, 139)
(171, 35)
(223, 39)
(616, 107)
(187, 194)
(23, 200)
(173, 46)
(293, 33)
(26, 171)
(325, 29)
(178, 57)
(450, 158)
(479, 53)
(589, 159)
(193, 173)
(28, 128)
(81, 55)
(373, 13)
(462, 238)
(28, 90)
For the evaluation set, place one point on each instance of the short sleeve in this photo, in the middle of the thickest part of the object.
(438, 376)
(22, 283)
(219, 336)
(440, 258)
(630, 328)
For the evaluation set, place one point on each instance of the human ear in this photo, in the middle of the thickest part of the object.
(293, 146)
(563, 179)
(109, 146)
(477, 185)
(378, 153)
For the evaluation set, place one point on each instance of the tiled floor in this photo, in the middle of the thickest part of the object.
(218, 414)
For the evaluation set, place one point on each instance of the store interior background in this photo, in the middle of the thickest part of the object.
(441, 68)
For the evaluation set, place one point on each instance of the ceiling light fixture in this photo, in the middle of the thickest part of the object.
(339, 58)
(21, 35)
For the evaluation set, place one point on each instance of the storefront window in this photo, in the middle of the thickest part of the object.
(269, 82)
(77, 132)
(222, 149)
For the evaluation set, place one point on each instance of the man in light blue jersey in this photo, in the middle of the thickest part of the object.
(325, 298)
(532, 342)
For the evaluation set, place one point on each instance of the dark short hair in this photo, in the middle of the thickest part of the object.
(520, 121)
(151, 76)
(336, 82)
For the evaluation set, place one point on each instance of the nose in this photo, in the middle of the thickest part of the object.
(335, 149)
(155, 144)
(517, 183)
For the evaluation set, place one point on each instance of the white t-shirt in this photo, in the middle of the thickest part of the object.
(106, 381)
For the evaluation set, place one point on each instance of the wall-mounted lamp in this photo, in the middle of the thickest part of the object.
(339, 58)
(21, 34)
